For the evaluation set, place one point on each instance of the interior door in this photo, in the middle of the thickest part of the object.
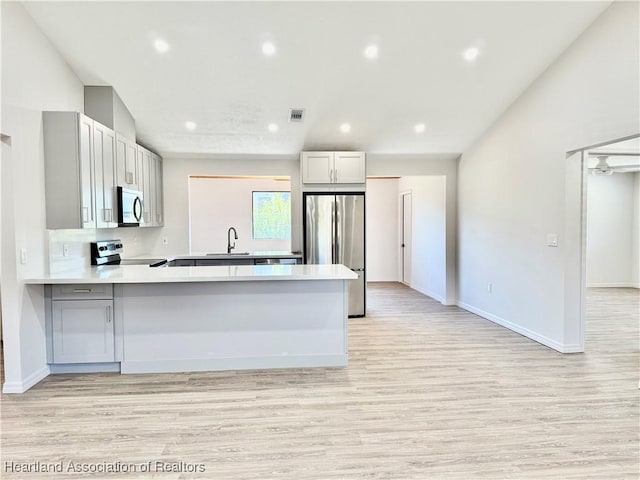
(319, 229)
(405, 244)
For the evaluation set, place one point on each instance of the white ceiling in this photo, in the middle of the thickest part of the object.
(216, 75)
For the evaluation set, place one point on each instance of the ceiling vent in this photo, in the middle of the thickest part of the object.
(296, 115)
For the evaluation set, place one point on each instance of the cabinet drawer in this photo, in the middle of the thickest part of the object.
(82, 291)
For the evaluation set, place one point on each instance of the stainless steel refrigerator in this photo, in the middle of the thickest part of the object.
(334, 233)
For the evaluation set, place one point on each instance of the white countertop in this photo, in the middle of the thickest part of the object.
(226, 273)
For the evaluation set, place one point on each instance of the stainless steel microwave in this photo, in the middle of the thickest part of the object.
(129, 207)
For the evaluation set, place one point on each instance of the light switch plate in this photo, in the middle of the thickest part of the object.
(23, 256)
(552, 239)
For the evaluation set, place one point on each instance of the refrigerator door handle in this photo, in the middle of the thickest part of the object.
(333, 236)
(338, 232)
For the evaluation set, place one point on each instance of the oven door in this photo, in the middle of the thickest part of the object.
(129, 207)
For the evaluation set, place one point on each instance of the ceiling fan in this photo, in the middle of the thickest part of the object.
(603, 167)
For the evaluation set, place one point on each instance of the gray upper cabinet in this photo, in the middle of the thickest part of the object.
(158, 217)
(126, 162)
(150, 175)
(333, 167)
(85, 162)
(79, 171)
(105, 176)
(144, 185)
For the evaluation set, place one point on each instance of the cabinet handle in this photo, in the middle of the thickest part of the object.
(335, 176)
(108, 314)
(331, 176)
(81, 290)
(85, 214)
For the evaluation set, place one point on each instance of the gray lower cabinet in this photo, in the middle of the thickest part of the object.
(82, 331)
(239, 260)
(278, 261)
(182, 262)
(213, 262)
(80, 324)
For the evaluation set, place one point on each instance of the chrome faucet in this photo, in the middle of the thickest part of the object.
(235, 235)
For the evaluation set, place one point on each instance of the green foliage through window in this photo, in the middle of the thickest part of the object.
(271, 215)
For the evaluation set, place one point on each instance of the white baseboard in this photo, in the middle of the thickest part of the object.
(428, 293)
(240, 363)
(546, 341)
(614, 285)
(27, 383)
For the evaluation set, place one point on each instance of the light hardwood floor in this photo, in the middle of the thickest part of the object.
(430, 392)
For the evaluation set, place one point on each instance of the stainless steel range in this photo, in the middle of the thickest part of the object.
(107, 252)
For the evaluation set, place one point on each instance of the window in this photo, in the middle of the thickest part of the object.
(271, 215)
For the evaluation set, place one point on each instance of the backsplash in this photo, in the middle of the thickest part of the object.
(135, 241)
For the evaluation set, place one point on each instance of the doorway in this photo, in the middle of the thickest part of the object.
(405, 241)
(594, 174)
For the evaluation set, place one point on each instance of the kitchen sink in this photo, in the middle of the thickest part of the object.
(229, 254)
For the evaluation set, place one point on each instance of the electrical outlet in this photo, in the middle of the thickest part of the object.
(489, 287)
(65, 250)
(552, 239)
(165, 240)
(23, 256)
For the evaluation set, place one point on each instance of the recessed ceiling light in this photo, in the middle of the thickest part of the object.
(268, 48)
(273, 128)
(345, 128)
(471, 54)
(190, 125)
(419, 128)
(161, 45)
(371, 51)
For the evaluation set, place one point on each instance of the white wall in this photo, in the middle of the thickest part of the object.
(382, 229)
(428, 233)
(34, 78)
(176, 173)
(513, 184)
(215, 204)
(610, 230)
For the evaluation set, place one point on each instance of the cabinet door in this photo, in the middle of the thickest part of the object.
(131, 167)
(87, 173)
(144, 184)
(159, 201)
(150, 180)
(104, 142)
(126, 162)
(317, 167)
(83, 331)
(349, 167)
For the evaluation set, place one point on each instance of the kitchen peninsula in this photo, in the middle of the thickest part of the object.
(151, 320)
